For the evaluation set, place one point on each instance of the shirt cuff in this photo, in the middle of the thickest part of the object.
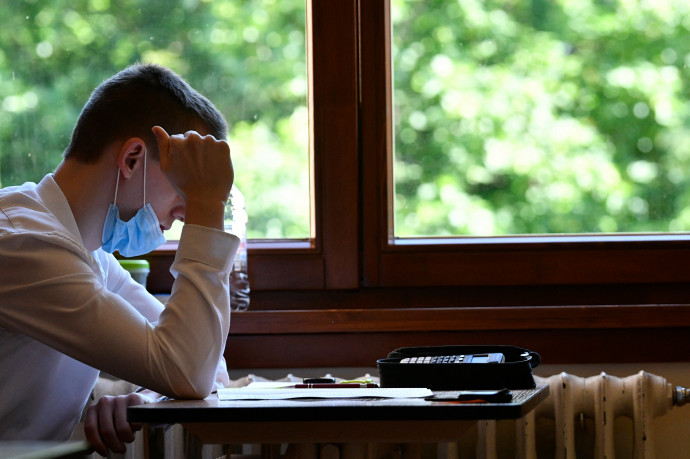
(208, 245)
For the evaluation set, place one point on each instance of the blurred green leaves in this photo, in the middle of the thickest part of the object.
(511, 116)
(541, 117)
(247, 56)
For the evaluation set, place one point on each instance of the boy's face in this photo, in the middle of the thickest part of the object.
(166, 202)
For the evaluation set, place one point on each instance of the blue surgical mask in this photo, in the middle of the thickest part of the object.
(137, 236)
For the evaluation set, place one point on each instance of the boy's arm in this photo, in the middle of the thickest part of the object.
(200, 170)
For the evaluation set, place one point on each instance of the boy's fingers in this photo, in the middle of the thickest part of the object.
(92, 434)
(162, 138)
(160, 133)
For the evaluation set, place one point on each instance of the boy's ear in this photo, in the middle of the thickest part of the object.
(131, 156)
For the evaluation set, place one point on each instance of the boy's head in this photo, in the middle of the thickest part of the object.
(131, 102)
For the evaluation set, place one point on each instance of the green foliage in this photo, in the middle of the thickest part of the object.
(512, 116)
(541, 117)
(247, 56)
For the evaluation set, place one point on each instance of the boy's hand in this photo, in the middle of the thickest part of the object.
(105, 425)
(200, 170)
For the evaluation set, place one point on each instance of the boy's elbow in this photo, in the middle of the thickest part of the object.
(190, 389)
(188, 392)
(183, 375)
(191, 393)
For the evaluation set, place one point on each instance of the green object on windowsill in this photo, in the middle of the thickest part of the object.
(139, 269)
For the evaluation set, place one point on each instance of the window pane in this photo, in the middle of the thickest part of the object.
(248, 57)
(541, 117)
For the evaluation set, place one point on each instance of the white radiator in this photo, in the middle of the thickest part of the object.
(601, 399)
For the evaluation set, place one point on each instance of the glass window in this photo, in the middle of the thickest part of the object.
(248, 57)
(540, 117)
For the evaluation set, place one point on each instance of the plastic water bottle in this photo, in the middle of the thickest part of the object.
(236, 223)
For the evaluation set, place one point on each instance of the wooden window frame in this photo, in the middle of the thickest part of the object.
(330, 259)
(538, 260)
(355, 293)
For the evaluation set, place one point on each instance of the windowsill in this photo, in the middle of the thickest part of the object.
(508, 318)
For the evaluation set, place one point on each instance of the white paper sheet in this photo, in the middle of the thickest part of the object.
(248, 393)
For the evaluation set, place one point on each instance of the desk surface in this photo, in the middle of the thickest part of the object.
(346, 421)
(213, 410)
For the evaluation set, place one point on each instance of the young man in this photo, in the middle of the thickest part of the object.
(147, 149)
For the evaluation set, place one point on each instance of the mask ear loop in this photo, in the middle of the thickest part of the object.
(117, 183)
(144, 177)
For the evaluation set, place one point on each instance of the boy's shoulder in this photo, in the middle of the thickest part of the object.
(20, 206)
(24, 213)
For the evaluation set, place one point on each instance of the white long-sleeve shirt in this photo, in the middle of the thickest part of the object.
(66, 313)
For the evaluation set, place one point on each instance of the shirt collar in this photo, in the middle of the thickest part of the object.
(54, 199)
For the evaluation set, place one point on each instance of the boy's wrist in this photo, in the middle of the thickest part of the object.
(210, 213)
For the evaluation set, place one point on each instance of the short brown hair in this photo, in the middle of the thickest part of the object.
(134, 100)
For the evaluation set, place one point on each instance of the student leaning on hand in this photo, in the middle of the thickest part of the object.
(146, 150)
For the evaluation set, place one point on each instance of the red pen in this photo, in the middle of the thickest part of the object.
(334, 386)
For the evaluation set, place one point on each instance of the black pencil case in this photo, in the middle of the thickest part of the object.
(515, 372)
